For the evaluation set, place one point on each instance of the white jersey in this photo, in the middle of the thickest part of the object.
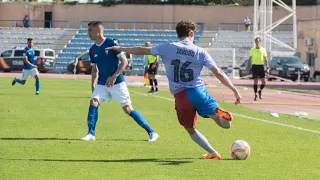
(183, 62)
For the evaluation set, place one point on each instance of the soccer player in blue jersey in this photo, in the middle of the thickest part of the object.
(183, 62)
(29, 67)
(109, 65)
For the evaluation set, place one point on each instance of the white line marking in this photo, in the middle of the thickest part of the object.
(144, 94)
(247, 117)
(280, 124)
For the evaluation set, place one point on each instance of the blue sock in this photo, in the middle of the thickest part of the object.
(37, 85)
(141, 120)
(18, 80)
(96, 119)
(92, 118)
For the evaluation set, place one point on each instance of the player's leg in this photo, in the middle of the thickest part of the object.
(152, 82)
(25, 74)
(262, 76)
(98, 96)
(151, 77)
(255, 76)
(35, 74)
(120, 93)
(187, 117)
(255, 88)
(207, 106)
(155, 72)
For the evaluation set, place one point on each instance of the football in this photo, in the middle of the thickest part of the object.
(240, 150)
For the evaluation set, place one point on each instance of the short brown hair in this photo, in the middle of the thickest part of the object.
(184, 27)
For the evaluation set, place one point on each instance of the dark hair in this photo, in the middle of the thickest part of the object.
(29, 39)
(257, 38)
(184, 27)
(94, 23)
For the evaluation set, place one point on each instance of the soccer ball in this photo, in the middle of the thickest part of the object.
(240, 150)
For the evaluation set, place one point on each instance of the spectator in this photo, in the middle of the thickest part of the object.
(247, 24)
(26, 21)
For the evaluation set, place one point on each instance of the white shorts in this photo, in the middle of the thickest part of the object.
(118, 92)
(31, 72)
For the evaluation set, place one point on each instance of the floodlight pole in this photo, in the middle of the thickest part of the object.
(263, 24)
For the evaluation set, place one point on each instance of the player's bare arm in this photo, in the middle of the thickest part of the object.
(250, 61)
(94, 76)
(132, 50)
(226, 81)
(266, 63)
(25, 59)
(124, 62)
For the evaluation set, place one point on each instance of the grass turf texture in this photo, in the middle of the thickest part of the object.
(39, 139)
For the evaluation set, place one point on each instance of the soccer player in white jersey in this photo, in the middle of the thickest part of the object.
(183, 62)
(111, 84)
(29, 67)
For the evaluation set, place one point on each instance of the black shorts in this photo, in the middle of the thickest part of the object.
(258, 71)
(154, 70)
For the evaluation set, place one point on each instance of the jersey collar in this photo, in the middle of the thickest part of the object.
(101, 42)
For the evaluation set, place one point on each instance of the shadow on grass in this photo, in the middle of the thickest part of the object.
(34, 139)
(53, 139)
(155, 160)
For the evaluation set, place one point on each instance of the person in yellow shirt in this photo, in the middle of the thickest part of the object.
(258, 60)
(152, 70)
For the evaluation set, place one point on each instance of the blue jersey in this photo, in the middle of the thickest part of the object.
(29, 53)
(183, 62)
(107, 61)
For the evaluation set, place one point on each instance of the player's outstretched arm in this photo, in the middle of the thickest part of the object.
(226, 81)
(132, 50)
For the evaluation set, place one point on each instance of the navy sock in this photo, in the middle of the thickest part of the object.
(155, 82)
(37, 85)
(255, 88)
(141, 120)
(18, 80)
(151, 83)
(92, 118)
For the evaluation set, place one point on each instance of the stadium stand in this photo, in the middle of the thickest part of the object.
(243, 42)
(54, 38)
(127, 37)
(70, 43)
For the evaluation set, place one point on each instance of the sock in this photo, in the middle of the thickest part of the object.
(255, 87)
(202, 141)
(92, 118)
(151, 83)
(141, 121)
(37, 85)
(96, 119)
(18, 80)
(261, 87)
(155, 82)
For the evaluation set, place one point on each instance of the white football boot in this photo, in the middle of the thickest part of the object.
(88, 137)
(153, 136)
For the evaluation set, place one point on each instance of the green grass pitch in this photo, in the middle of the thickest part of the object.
(39, 139)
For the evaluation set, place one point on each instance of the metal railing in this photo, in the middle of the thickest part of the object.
(141, 25)
(35, 23)
(241, 27)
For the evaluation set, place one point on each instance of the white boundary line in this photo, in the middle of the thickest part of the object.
(247, 117)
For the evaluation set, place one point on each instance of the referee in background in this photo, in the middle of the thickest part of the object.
(258, 59)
